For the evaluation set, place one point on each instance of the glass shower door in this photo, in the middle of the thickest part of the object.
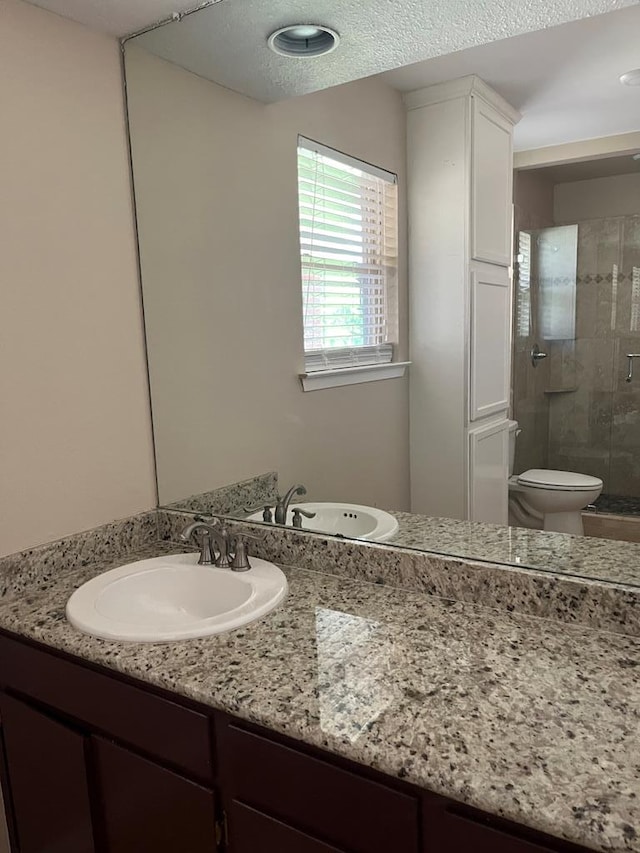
(582, 413)
(622, 493)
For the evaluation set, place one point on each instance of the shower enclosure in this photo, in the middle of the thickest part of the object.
(577, 299)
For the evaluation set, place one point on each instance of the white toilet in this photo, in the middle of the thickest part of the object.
(549, 500)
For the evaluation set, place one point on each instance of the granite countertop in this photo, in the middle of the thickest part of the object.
(560, 553)
(522, 717)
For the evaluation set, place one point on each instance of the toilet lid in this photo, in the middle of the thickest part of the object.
(568, 481)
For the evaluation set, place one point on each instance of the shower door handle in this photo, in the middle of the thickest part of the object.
(536, 355)
(631, 356)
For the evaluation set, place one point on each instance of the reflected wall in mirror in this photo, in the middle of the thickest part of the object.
(217, 200)
(427, 459)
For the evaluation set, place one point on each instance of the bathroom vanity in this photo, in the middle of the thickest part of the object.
(125, 768)
(355, 718)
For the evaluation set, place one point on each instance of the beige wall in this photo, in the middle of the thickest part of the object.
(216, 187)
(598, 198)
(584, 149)
(75, 446)
(532, 199)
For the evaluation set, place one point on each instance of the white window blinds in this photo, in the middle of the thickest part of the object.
(349, 257)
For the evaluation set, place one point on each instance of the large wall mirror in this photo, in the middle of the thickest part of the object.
(275, 230)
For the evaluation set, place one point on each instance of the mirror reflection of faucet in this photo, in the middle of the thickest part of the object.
(280, 512)
(282, 506)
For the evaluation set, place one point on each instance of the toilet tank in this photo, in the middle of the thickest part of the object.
(514, 432)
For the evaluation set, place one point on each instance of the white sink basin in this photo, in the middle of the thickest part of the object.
(350, 520)
(173, 598)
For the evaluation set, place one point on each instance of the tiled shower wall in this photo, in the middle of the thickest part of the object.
(595, 429)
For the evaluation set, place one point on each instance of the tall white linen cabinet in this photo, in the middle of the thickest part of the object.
(460, 171)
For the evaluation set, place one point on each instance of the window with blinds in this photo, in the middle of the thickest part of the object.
(349, 258)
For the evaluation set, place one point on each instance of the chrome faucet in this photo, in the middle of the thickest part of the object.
(282, 506)
(210, 532)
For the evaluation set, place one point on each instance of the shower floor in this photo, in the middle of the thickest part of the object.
(618, 505)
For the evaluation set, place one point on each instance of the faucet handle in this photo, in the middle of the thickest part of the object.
(298, 512)
(267, 512)
(240, 560)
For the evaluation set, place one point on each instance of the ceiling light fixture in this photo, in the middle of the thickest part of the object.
(631, 78)
(303, 40)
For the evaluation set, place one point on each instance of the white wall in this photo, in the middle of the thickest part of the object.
(618, 195)
(75, 441)
(216, 188)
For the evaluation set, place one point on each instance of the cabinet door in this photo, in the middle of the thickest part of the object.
(448, 827)
(321, 799)
(489, 473)
(490, 350)
(491, 185)
(48, 781)
(145, 807)
(251, 831)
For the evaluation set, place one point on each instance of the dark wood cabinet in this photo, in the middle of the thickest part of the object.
(451, 826)
(156, 725)
(332, 804)
(251, 831)
(49, 791)
(146, 807)
(96, 763)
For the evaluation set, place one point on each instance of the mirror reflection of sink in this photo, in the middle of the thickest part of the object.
(173, 598)
(350, 520)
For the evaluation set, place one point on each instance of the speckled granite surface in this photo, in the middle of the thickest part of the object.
(527, 718)
(611, 607)
(26, 568)
(234, 499)
(583, 556)
(560, 553)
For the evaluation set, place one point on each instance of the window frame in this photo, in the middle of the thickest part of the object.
(367, 362)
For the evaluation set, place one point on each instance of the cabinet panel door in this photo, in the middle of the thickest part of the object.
(490, 351)
(446, 828)
(147, 807)
(324, 800)
(155, 725)
(251, 831)
(48, 781)
(491, 185)
(489, 473)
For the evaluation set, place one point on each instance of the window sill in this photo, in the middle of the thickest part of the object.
(320, 379)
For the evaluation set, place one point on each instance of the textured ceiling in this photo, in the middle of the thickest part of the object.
(116, 17)
(563, 80)
(227, 42)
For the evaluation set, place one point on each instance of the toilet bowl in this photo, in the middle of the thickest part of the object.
(553, 500)
(544, 499)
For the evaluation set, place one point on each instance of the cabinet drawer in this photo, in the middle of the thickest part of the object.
(148, 722)
(251, 831)
(315, 796)
(451, 827)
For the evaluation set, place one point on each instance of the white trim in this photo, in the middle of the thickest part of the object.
(344, 357)
(346, 160)
(320, 379)
(460, 88)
